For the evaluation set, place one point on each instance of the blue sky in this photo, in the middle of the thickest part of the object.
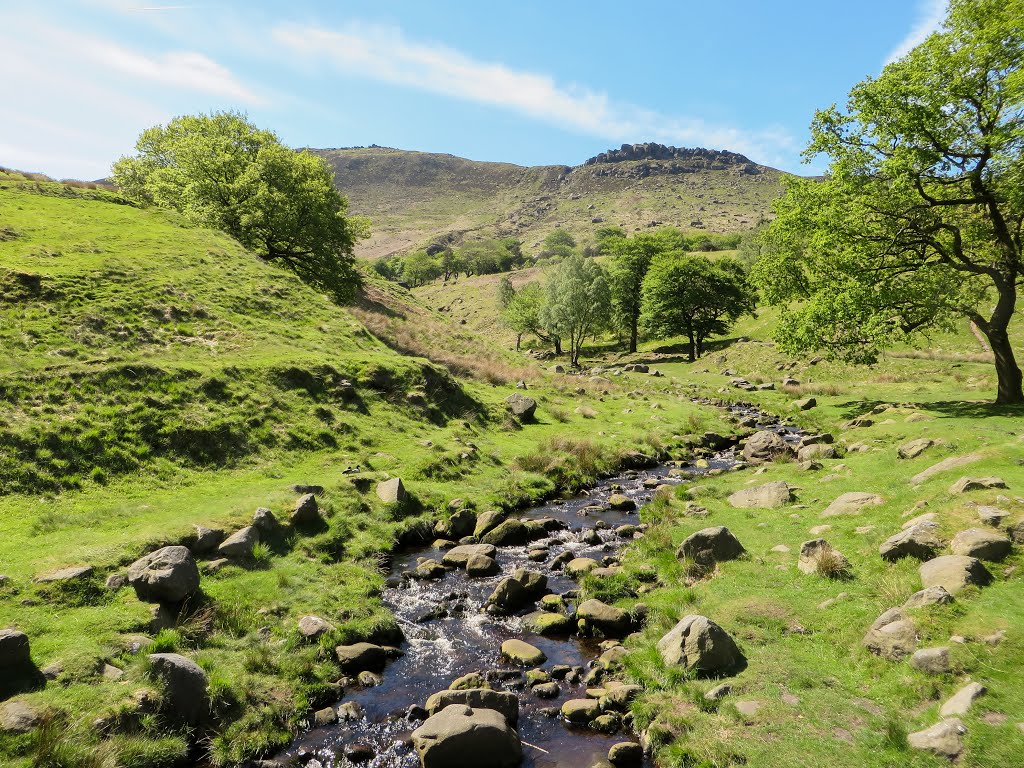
(527, 82)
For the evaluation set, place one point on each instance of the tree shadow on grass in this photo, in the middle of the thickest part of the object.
(966, 409)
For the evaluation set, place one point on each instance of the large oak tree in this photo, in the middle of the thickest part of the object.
(918, 221)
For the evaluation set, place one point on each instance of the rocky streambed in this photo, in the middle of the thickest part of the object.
(501, 611)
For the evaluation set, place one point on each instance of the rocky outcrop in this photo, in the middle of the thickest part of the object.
(698, 644)
(965, 484)
(169, 575)
(462, 737)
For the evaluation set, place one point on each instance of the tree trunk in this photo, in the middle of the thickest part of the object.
(632, 335)
(1010, 387)
(519, 339)
(558, 345)
(691, 348)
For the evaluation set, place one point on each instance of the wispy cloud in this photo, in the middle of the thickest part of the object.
(930, 15)
(386, 55)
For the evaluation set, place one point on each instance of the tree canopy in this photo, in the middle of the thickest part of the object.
(630, 260)
(694, 296)
(221, 171)
(919, 219)
(577, 302)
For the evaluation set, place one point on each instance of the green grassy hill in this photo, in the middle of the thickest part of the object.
(416, 198)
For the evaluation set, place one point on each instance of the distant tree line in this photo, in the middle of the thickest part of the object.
(650, 284)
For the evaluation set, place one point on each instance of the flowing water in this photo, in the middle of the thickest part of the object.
(448, 636)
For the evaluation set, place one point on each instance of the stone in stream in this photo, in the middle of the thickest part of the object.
(184, 688)
(892, 636)
(767, 496)
(508, 597)
(607, 619)
(306, 511)
(503, 702)
(580, 565)
(457, 557)
(619, 698)
(698, 644)
(547, 623)
(851, 504)
(429, 570)
(391, 491)
(510, 533)
(240, 543)
(481, 565)
(460, 524)
(488, 520)
(954, 573)
(621, 501)
(169, 575)
(717, 543)
(965, 484)
(546, 690)
(944, 739)
(360, 657)
(918, 541)
(764, 446)
(534, 582)
(982, 544)
(470, 680)
(523, 653)
(462, 737)
(581, 711)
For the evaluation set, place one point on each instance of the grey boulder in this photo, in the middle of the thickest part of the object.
(184, 685)
(698, 644)
(764, 446)
(767, 496)
(954, 573)
(918, 541)
(169, 575)
(892, 636)
(716, 543)
(521, 406)
(982, 544)
(505, 702)
(240, 543)
(462, 737)
(14, 649)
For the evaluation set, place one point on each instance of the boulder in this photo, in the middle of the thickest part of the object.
(510, 533)
(264, 521)
(764, 446)
(429, 570)
(914, 448)
(698, 644)
(818, 556)
(457, 557)
(581, 711)
(71, 573)
(548, 623)
(504, 702)
(982, 544)
(19, 717)
(948, 463)
(824, 438)
(534, 582)
(851, 503)
(460, 524)
(944, 739)
(462, 737)
(312, 628)
(929, 596)
(965, 484)
(169, 575)
(619, 697)
(805, 403)
(523, 653)
(954, 573)
(717, 542)
(892, 636)
(993, 516)
(391, 491)
(580, 565)
(306, 511)
(521, 406)
(960, 702)
(918, 541)
(206, 540)
(360, 657)
(14, 649)
(767, 496)
(184, 684)
(609, 620)
(488, 521)
(481, 565)
(816, 452)
(621, 501)
(508, 596)
(240, 543)
(933, 661)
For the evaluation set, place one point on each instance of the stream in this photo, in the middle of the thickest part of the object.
(447, 634)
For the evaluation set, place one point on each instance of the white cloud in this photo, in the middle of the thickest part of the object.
(930, 15)
(384, 54)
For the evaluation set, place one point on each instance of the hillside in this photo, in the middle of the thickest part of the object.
(418, 198)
